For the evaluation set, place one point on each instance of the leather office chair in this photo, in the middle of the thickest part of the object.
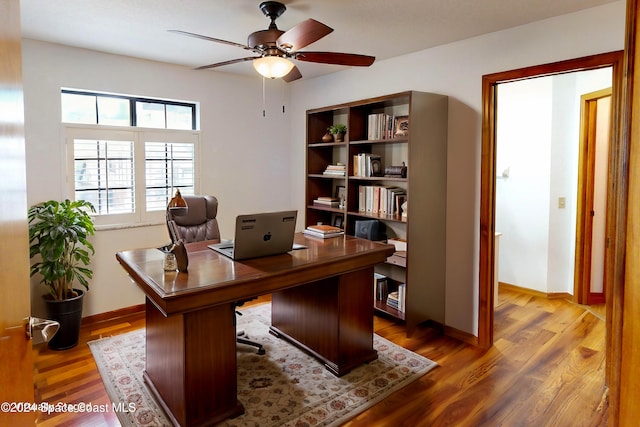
(198, 224)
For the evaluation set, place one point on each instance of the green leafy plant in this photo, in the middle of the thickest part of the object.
(58, 233)
(337, 128)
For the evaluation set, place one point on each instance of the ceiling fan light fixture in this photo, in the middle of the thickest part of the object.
(273, 67)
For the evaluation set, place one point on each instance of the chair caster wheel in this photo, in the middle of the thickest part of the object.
(261, 351)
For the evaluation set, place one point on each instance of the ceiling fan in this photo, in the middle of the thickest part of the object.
(275, 48)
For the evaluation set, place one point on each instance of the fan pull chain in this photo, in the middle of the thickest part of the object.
(264, 97)
(282, 91)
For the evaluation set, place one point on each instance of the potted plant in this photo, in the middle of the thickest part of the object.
(338, 130)
(58, 239)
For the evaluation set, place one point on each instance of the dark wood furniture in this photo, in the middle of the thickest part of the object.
(424, 152)
(322, 301)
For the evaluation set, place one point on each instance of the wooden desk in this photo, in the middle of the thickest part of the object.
(322, 301)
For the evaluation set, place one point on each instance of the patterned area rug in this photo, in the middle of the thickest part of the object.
(285, 387)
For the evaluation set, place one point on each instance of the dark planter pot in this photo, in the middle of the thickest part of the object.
(69, 314)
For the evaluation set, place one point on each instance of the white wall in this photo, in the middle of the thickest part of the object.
(456, 70)
(245, 158)
(522, 199)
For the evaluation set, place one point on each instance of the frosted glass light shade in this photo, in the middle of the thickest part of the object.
(272, 67)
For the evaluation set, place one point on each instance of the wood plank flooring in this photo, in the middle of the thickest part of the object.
(545, 369)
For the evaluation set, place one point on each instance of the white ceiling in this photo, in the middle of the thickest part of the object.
(381, 28)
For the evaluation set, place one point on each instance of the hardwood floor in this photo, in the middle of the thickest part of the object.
(545, 369)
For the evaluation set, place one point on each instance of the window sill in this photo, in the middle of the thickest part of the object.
(108, 227)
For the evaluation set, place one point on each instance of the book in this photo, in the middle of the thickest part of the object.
(396, 299)
(392, 299)
(381, 126)
(324, 229)
(402, 291)
(367, 165)
(333, 202)
(326, 203)
(337, 166)
(381, 199)
(322, 235)
(400, 244)
(335, 173)
(380, 289)
(338, 169)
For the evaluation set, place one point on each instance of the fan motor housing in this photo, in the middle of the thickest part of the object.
(264, 39)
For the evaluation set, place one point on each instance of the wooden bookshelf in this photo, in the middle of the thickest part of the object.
(424, 152)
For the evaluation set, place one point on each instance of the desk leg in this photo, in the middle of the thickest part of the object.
(191, 364)
(331, 318)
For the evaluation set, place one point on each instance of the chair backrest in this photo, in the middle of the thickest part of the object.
(198, 224)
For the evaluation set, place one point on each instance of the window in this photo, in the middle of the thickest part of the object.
(103, 171)
(168, 166)
(129, 173)
(119, 110)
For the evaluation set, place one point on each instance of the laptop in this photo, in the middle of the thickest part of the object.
(259, 235)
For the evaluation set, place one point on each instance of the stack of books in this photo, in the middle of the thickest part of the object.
(396, 299)
(338, 169)
(332, 202)
(323, 231)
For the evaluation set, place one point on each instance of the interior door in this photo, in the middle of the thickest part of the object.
(591, 226)
(16, 366)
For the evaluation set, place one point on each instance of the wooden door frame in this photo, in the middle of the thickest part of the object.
(16, 368)
(586, 186)
(624, 327)
(616, 203)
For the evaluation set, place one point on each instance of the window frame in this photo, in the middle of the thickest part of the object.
(133, 100)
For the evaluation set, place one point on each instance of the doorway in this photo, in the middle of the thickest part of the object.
(540, 170)
(488, 175)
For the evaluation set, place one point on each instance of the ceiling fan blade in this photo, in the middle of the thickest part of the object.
(303, 35)
(336, 58)
(232, 61)
(294, 74)
(211, 39)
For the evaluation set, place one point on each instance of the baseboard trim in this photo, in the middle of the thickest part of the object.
(548, 295)
(110, 315)
(465, 337)
(596, 298)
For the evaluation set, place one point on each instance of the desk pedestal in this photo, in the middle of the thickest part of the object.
(191, 364)
(330, 318)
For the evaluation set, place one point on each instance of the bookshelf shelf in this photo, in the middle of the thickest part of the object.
(381, 141)
(326, 209)
(381, 217)
(377, 138)
(321, 176)
(377, 178)
(381, 307)
(326, 144)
